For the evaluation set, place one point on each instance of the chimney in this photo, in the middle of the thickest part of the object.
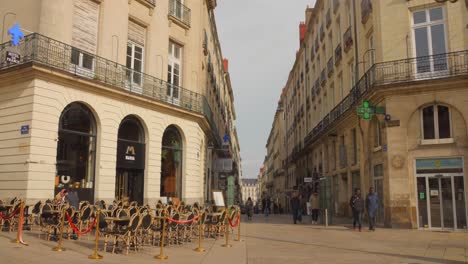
(226, 65)
(302, 31)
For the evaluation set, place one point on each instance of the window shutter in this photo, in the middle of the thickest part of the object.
(85, 25)
(343, 156)
(136, 33)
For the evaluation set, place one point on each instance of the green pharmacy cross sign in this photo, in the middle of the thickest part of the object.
(366, 111)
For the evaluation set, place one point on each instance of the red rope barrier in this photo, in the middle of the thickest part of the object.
(237, 221)
(183, 222)
(76, 229)
(10, 216)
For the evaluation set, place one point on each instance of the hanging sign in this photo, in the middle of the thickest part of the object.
(130, 155)
(13, 57)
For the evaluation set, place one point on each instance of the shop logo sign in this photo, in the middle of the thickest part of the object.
(130, 153)
(16, 34)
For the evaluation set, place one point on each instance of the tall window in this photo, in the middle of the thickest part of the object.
(430, 39)
(377, 134)
(332, 97)
(174, 70)
(134, 63)
(351, 74)
(355, 146)
(340, 81)
(436, 122)
(371, 50)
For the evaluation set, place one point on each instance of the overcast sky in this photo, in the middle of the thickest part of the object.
(260, 38)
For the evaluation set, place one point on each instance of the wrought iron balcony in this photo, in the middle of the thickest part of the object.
(336, 5)
(330, 66)
(395, 72)
(328, 18)
(44, 51)
(348, 39)
(338, 54)
(179, 12)
(366, 9)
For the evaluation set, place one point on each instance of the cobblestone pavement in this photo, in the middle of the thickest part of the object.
(270, 240)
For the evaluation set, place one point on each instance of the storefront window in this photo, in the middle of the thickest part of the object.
(76, 152)
(171, 162)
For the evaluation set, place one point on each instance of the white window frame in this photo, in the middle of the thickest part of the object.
(133, 45)
(79, 69)
(436, 139)
(371, 50)
(377, 136)
(172, 60)
(428, 24)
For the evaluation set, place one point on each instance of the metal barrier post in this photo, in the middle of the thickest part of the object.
(326, 217)
(20, 224)
(161, 252)
(59, 247)
(239, 226)
(226, 227)
(95, 255)
(200, 226)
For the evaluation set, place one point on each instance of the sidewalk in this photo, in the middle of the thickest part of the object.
(77, 251)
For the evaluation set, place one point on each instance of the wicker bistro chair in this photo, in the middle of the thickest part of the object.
(187, 230)
(12, 222)
(215, 225)
(173, 230)
(84, 218)
(68, 231)
(128, 235)
(145, 233)
(34, 217)
(49, 222)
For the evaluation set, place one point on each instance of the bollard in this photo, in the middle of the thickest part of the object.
(59, 247)
(326, 217)
(20, 224)
(161, 252)
(239, 227)
(200, 226)
(95, 255)
(226, 227)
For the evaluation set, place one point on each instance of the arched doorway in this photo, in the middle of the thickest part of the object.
(171, 163)
(76, 152)
(129, 183)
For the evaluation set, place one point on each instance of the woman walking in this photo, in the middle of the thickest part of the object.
(249, 205)
(357, 205)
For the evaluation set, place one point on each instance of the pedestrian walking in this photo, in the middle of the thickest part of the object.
(295, 207)
(314, 205)
(249, 205)
(266, 206)
(357, 206)
(372, 205)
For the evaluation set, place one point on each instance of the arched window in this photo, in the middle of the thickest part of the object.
(76, 152)
(171, 163)
(436, 122)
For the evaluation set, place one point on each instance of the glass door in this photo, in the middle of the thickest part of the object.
(444, 206)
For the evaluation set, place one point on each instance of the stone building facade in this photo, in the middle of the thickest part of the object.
(376, 98)
(114, 99)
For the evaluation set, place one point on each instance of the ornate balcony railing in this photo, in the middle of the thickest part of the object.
(41, 50)
(180, 12)
(348, 39)
(338, 54)
(151, 2)
(395, 72)
(366, 9)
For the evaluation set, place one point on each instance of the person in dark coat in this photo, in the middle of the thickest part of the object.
(295, 206)
(372, 205)
(249, 206)
(357, 205)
